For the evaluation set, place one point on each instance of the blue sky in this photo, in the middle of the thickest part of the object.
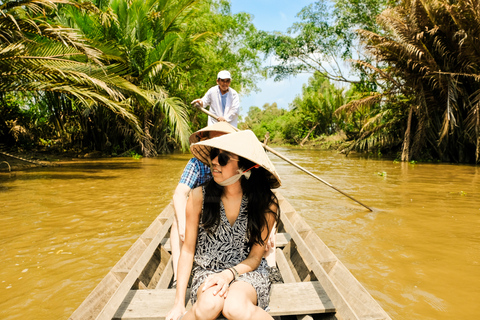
(272, 15)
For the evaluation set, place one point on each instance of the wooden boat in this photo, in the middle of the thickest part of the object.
(316, 285)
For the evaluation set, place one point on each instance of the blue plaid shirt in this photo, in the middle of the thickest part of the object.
(195, 173)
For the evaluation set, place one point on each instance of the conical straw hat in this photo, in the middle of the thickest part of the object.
(220, 126)
(242, 143)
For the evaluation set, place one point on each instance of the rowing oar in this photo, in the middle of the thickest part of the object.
(197, 105)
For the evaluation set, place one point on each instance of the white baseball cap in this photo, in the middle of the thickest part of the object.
(224, 74)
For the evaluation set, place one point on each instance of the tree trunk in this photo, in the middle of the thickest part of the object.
(305, 139)
(406, 139)
(267, 137)
(147, 144)
(477, 134)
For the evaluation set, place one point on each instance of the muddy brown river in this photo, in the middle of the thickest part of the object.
(418, 252)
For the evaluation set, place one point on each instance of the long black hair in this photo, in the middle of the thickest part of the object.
(260, 199)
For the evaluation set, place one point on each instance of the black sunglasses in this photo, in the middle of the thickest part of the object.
(223, 158)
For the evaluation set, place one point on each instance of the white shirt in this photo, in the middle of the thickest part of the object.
(213, 99)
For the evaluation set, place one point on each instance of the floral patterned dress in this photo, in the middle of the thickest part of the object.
(224, 249)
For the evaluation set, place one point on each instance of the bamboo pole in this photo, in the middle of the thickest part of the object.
(197, 105)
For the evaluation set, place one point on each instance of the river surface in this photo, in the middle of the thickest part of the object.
(417, 253)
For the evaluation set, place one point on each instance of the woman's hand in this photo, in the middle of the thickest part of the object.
(271, 239)
(220, 281)
(270, 243)
(175, 313)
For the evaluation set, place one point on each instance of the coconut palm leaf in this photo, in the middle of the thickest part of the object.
(367, 101)
(431, 48)
(38, 55)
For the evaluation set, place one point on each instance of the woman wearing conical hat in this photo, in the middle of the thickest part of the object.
(227, 226)
(195, 174)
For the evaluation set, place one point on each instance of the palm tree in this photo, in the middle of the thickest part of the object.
(429, 59)
(151, 40)
(40, 56)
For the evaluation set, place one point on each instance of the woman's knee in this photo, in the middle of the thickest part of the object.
(208, 306)
(237, 309)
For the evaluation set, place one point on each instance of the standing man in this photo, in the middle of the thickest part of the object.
(223, 100)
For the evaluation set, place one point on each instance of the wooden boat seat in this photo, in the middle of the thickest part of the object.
(299, 298)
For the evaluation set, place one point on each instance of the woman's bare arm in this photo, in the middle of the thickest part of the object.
(193, 211)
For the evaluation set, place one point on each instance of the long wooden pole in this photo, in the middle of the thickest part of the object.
(288, 160)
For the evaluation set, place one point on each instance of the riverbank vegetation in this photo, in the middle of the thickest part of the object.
(414, 88)
(117, 76)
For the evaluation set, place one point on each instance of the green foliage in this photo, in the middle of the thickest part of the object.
(227, 49)
(38, 55)
(268, 119)
(316, 106)
(135, 155)
(323, 38)
(311, 114)
(116, 72)
(428, 62)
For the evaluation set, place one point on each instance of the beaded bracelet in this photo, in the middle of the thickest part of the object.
(235, 273)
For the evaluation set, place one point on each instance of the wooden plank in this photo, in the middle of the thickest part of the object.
(344, 310)
(288, 276)
(146, 304)
(116, 299)
(282, 239)
(93, 304)
(298, 298)
(166, 276)
(156, 267)
(284, 268)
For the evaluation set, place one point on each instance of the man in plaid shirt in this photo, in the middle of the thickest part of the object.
(195, 173)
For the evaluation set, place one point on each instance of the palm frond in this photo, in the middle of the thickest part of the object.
(369, 100)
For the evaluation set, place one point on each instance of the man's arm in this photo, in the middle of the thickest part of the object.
(180, 203)
(205, 101)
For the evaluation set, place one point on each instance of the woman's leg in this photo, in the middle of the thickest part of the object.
(207, 306)
(241, 303)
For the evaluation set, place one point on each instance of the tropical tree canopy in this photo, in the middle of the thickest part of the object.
(415, 89)
(429, 56)
(116, 75)
(322, 40)
(39, 55)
